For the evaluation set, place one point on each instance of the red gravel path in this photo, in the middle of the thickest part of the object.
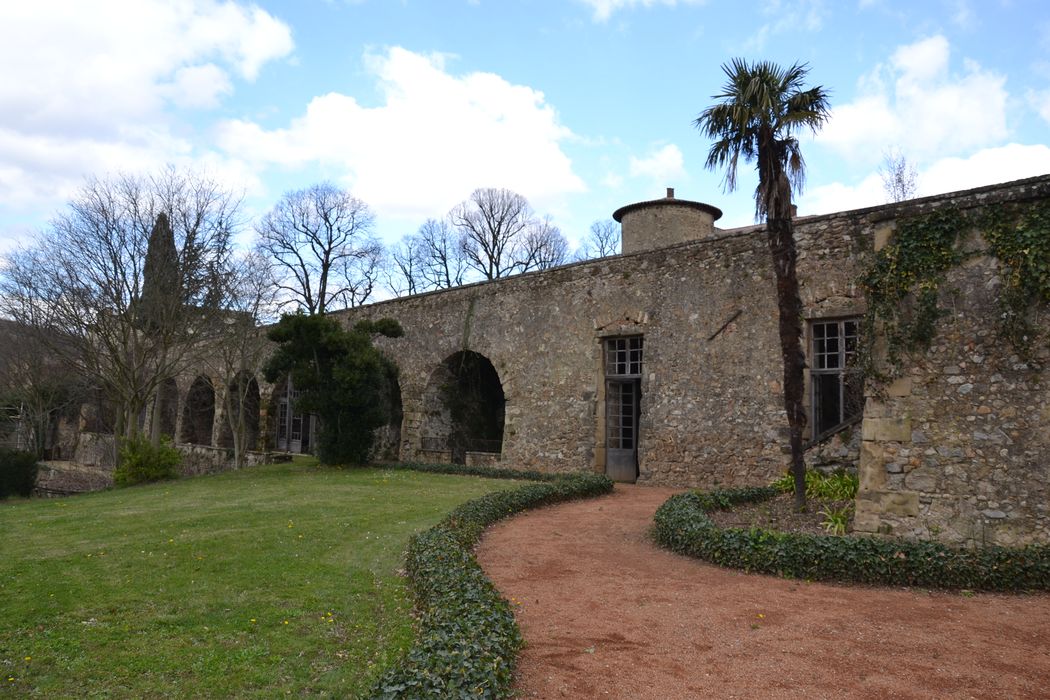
(607, 614)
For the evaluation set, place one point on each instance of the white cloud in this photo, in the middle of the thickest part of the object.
(841, 197)
(1040, 101)
(435, 138)
(92, 88)
(793, 16)
(663, 166)
(962, 13)
(915, 103)
(604, 9)
(986, 167)
(198, 87)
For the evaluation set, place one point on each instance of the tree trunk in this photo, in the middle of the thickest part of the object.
(782, 246)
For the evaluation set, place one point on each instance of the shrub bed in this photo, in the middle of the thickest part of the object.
(682, 526)
(468, 639)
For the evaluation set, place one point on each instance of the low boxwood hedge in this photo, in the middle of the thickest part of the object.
(682, 526)
(471, 470)
(468, 640)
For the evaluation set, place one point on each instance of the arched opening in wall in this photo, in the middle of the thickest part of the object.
(242, 399)
(198, 414)
(168, 395)
(464, 407)
(387, 443)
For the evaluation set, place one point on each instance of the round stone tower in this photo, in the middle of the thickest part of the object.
(663, 222)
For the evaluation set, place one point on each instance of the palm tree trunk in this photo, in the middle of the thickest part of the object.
(782, 246)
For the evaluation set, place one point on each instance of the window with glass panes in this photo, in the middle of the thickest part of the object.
(623, 357)
(623, 371)
(836, 383)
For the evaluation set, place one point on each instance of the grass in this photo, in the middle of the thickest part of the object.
(278, 580)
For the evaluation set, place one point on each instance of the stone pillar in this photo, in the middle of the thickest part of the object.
(885, 504)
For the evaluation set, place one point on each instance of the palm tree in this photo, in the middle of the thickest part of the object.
(760, 110)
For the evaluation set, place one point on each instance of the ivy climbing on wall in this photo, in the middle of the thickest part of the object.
(1020, 239)
(904, 281)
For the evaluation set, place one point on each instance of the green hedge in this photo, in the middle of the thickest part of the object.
(468, 640)
(683, 526)
(18, 470)
(468, 470)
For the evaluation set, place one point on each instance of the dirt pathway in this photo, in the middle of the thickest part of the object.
(606, 614)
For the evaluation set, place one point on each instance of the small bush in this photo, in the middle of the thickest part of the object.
(836, 519)
(682, 526)
(468, 639)
(141, 462)
(838, 486)
(17, 473)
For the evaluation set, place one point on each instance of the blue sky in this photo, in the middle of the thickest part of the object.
(580, 105)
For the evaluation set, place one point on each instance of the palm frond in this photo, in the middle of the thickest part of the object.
(759, 110)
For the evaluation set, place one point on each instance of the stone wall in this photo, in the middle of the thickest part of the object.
(957, 448)
(711, 409)
(956, 451)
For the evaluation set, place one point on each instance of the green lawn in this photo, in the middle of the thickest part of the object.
(277, 580)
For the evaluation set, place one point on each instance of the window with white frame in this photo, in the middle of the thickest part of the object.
(836, 383)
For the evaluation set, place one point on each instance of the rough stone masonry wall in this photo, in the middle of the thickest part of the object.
(712, 410)
(958, 450)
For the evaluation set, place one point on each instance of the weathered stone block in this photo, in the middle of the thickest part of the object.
(883, 234)
(887, 429)
(899, 387)
(866, 521)
(900, 503)
(870, 468)
(922, 479)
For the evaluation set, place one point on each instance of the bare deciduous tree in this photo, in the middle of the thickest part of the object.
(320, 243)
(34, 387)
(500, 235)
(543, 246)
(429, 259)
(81, 286)
(602, 241)
(443, 262)
(899, 177)
(404, 275)
(241, 348)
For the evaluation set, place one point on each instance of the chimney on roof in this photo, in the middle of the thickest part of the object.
(670, 193)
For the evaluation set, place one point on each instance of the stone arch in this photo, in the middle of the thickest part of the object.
(464, 407)
(242, 393)
(198, 412)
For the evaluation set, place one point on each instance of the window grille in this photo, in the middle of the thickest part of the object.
(837, 385)
(623, 357)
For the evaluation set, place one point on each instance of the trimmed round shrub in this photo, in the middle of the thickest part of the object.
(141, 462)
